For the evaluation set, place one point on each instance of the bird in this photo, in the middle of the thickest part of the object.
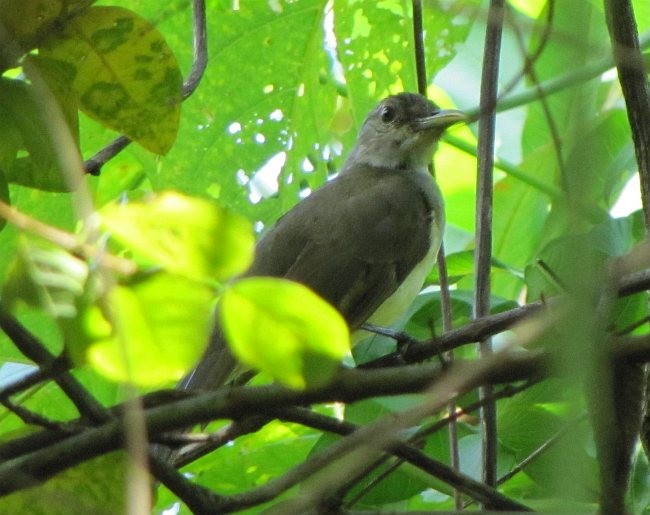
(365, 240)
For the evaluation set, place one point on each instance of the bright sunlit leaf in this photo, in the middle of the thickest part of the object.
(124, 74)
(184, 235)
(284, 329)
(531, 8)
(151, 332)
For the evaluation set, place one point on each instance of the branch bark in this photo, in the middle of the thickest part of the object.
(484, 196)
(351, 385)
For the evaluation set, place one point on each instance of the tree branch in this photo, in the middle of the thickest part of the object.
(484, 195)
(33, 349)
(237, 402)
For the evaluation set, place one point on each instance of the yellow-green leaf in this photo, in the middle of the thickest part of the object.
(149, 333)
(284, 329)
(126, 76)
(26, 22)
(184, 235)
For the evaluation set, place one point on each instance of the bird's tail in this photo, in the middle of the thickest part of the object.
(216, 367)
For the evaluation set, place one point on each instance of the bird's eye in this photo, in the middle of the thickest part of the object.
(387, 114)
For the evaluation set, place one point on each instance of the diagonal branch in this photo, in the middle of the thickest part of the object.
(27, 344)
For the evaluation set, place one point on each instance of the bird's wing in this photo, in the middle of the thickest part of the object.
(356, 256)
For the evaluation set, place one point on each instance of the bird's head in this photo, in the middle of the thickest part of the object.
(402, 132)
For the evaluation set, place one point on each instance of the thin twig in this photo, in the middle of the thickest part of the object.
(220, 438)
(33, 349)
(65, 240)
(531, 58)
(34, 377)
(35, 419)
(543, 100)
(445, 298)
(484, 195)
(423, 433)
(490, 325)
(555, 438)
(197, 498)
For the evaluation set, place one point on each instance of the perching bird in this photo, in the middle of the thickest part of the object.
(366, 240)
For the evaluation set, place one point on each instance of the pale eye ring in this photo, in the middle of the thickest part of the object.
(388, 114)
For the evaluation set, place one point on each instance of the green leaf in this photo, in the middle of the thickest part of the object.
(46, 276)
(288, 101)
(611, 238)
(4, 194)
(26, 132)
(459, 265)
(531, 8)
(184, 235)
(96, 486)
(376, 51)
(27, 22)
(640, 482)
(56, 76)
(126, 76)
(532, 418)
(251, 459)
(260, 108)
(598, 155)
(284, 329)
(148, 333)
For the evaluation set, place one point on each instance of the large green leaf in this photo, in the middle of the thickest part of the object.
(533, 418)
(96, 486)
(611, 238)
(376, 50)
(125, 75)
(277, 106)
(519, 214)
(29, 154)
(284, 329)
(187, 236)
(288, 102)
(149, 332)
(598, 153)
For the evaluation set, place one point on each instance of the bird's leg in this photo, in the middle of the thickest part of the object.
(402, 339)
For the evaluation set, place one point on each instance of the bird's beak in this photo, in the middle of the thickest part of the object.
(441, 120)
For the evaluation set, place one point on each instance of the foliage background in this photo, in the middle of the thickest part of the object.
(285, 90)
